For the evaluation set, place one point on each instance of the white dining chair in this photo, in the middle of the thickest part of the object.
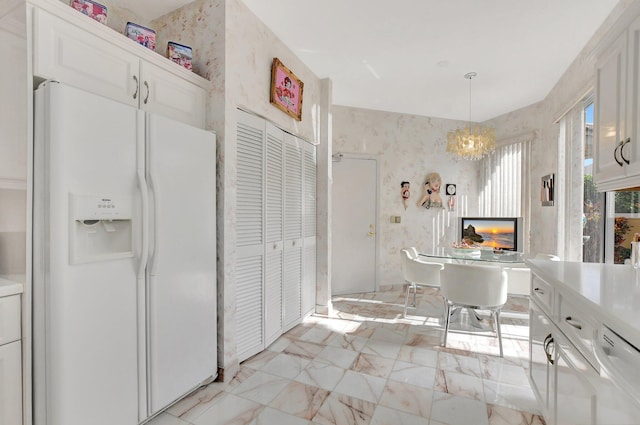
(474, 286)
(417, 273)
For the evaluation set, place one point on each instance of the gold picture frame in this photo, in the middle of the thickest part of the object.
(286, 90)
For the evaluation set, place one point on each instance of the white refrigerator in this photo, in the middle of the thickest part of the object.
(124, 260)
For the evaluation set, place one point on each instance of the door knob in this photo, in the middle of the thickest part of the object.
(371, 234)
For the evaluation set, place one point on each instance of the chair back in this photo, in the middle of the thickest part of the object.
(474, 285)
(418, 271)
(413, 252)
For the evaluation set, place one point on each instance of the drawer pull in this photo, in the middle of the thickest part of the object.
(538, 291)
(573, 323)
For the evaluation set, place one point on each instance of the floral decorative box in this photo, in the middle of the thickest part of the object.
(141, 35)
(180, 54)
(92, 9)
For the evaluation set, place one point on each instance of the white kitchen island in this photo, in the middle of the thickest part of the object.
(584, 329)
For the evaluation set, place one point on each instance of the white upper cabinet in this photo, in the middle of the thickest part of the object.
(617, 148)
(13, 109)
(71, 48)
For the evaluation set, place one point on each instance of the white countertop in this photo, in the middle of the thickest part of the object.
(611, 292)
(11, 285)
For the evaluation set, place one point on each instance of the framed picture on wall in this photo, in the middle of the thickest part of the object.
(286, 90)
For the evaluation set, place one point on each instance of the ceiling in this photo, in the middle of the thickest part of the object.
(410, 56)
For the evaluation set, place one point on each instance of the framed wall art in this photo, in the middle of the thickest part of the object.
(286, 90)
(546, 190)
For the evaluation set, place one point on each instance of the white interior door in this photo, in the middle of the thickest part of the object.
(355, 203)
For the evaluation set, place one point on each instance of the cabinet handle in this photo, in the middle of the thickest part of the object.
(615, 153)
(624, 143)
(538, 291)
(548, 341)
(135, 95)
(147, 96)
(573, 323)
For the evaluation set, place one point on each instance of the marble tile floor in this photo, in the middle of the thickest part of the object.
(366, 364)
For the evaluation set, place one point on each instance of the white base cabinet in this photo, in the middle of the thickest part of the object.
(10, 361)
(565, 375)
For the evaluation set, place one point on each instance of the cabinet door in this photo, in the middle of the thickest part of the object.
(249, 236)
(11, 383)
(610, 112)
(292, 231)
(309, 228)
(539, 365)
(13, 112)
(631, 149)
(71, 55)
(274, 225)
(575, 397)
(165, 93)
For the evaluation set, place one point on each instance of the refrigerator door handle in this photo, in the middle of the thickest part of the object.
(144, 254)
(154, 256)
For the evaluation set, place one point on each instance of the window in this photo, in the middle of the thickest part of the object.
(593, 202)
(504, 182)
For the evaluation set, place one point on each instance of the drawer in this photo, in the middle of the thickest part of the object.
(9, 319)
(578, 327)
(542, 292)
(11, 383)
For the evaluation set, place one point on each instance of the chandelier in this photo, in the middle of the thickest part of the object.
(468, 142)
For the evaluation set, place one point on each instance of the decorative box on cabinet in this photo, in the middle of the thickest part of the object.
(617, 117)
(10, 360)
(70, 48)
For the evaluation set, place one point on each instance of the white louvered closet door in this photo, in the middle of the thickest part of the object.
(292, 294)
(309, 228)
(249, 239)
(274, 227)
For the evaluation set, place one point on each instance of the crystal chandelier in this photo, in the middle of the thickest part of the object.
(468, 142)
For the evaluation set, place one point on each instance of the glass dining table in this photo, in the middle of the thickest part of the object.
(470, 256)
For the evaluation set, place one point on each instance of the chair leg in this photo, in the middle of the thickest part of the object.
(406, 299)
(447, 316)
(497, 319)
(415, 291)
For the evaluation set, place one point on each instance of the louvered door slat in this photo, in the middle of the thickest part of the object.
(309, 276)
(293, 188)
(273, 234)
(309, 165)
(292, 287)
(249, 310)
(274, 180)
(273, 296)
(250, 151)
